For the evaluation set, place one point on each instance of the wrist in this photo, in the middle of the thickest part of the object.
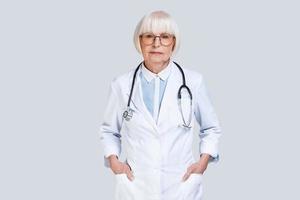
(205, 157)
(112, 158)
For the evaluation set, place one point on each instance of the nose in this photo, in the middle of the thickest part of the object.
(156, 42)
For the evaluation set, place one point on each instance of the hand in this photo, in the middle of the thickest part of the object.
(120, 168)
(198, 167)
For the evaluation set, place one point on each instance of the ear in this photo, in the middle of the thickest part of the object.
(174, 44)
(140, 45)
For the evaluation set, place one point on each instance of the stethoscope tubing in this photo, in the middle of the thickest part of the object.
(128, 112)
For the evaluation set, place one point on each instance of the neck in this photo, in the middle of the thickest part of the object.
(156, 67)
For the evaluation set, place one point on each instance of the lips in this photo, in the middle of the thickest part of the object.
(155, 52)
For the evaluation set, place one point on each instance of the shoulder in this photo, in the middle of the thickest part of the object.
(193, 77)
(193, 74)
(122, 81)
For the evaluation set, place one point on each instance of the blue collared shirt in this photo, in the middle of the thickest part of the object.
(148, 85)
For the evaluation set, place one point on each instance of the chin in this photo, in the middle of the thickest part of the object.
(157, 59)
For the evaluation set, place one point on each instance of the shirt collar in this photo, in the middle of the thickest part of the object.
(164, 74)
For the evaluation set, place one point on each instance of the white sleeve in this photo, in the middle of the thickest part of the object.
(210, 130)
(110, 128)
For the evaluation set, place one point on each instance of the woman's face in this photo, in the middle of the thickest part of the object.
(156, 52)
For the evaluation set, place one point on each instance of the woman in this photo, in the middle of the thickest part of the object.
(156, 125)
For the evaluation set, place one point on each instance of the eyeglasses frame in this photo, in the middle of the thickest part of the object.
(155, 36)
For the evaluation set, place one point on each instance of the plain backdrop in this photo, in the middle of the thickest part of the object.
(58, 58)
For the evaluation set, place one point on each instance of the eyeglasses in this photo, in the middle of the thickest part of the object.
(165, 38)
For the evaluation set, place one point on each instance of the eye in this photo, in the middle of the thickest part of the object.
(165, 36)
(148, 35)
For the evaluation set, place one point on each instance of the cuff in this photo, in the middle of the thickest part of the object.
(106, 161)
(107, 154)
(211, 150)
(213, 159)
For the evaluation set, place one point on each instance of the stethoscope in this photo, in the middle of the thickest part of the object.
(128, 113)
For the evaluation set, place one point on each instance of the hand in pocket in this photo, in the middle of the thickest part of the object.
(122, 168)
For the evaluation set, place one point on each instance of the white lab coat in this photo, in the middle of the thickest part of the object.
(158, 153)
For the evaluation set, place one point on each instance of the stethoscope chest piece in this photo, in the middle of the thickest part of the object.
(127, 114)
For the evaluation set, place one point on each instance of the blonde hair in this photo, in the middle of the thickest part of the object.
(156, 21)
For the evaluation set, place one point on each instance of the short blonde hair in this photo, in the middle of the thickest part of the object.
(157, 21)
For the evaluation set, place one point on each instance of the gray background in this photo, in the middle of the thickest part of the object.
(57, 59)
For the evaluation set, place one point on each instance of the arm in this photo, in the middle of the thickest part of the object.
(210, 130)
(110, 127)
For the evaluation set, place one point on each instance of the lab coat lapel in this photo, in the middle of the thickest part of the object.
(170, 96)
(138, 102)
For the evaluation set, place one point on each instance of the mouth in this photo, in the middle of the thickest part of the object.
(155, 52)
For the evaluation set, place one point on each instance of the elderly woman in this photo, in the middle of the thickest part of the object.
(152, 109)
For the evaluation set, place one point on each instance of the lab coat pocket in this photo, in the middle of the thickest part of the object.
(138, 189)
(191, 188)
(122, 189)
(120, 177)
(197, 176)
